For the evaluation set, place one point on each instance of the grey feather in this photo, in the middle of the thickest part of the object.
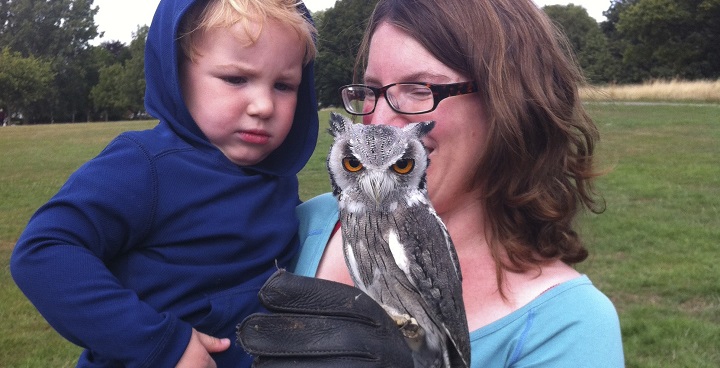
(396, 247)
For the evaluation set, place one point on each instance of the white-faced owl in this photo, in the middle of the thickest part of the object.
(396, 247)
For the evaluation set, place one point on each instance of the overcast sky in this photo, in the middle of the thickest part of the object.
(120, 18)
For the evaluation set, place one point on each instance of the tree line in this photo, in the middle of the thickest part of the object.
(641, 40)
(50, 72)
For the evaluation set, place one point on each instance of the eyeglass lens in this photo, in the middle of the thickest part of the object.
(403, 98)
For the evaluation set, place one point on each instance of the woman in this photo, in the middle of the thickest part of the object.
(511, 166)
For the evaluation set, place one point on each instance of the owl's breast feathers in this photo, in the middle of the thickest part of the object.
(406, 261)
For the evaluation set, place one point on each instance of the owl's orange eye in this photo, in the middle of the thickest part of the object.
(403, 166)
(352, 164)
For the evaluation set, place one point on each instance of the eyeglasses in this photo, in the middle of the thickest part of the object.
(404, 98)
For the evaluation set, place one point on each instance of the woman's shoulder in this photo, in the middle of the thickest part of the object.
(317, 212)
(318, 217)
(323, 203)
(569, 302)
(568, 323)
(577, 298)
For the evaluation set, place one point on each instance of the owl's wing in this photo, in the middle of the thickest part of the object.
(434, 269)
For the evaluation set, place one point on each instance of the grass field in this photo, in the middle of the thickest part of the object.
(655, 251)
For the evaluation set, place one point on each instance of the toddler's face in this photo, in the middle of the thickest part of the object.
(243, 95)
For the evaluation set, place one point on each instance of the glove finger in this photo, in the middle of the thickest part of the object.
(286, 292)
(307, 335)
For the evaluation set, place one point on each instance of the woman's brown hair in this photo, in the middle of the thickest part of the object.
(537, 169)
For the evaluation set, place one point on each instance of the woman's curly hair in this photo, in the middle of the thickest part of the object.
(537, 167)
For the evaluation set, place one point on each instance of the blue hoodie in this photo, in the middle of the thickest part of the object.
(160, 232)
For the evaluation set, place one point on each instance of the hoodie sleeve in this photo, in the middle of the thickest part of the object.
(59, 262)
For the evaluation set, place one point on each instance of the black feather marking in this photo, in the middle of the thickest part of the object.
(337, 124)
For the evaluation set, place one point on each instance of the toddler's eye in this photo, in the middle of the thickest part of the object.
(284, 87)
(234, 80)
(352, 164)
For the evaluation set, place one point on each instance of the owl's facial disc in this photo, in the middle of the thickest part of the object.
(376, 185)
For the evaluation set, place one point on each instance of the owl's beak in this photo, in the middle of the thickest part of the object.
(376, 186)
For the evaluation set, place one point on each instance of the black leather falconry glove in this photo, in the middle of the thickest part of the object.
(321, 323)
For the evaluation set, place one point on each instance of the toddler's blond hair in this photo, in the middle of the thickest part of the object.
(249, 13)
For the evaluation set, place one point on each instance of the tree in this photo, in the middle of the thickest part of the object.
(613, 15)
(135, 72)
(586, 39)
(615, 43)
(58, 31)
(574, 21)
(709, 18)
(664, 38)
(671, 38)
(23, 82)
(340, 32)
(47, 28)
(111, 52)
(105, 95)
(596, 59)
(74, 62)
(121, 85)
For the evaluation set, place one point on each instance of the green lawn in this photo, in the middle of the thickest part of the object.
(655, 251)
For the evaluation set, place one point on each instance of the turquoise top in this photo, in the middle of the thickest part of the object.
(571, 325)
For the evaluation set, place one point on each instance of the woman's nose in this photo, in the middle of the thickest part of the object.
(385, 115)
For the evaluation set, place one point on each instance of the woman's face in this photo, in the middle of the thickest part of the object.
(455, 144)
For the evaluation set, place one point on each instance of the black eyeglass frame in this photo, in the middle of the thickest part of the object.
(439, 91)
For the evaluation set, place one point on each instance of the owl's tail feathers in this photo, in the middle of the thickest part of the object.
(459, 355)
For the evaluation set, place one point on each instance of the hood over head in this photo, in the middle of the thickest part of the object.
(164, 100)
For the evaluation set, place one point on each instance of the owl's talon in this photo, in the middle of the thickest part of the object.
(403, 319)
(414, 334)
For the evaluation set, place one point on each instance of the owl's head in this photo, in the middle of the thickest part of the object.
(377, 164)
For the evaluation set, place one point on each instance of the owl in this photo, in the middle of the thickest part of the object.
(396, 247)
